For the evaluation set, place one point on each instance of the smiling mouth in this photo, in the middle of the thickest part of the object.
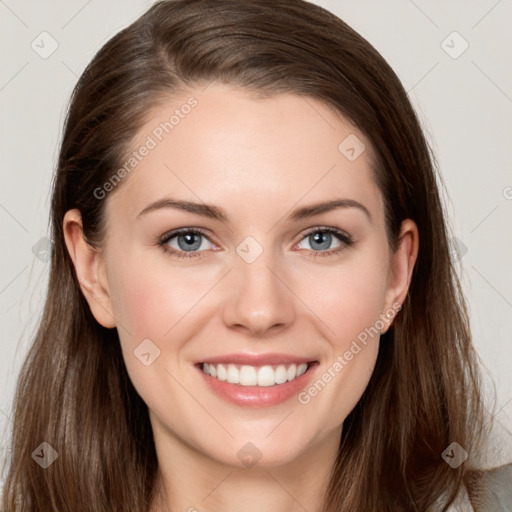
(260, 376)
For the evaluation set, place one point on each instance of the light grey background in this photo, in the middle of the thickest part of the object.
(464, 102)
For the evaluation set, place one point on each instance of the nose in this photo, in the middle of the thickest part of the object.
(258, 299)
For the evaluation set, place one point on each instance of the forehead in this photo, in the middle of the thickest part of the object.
(225, 146)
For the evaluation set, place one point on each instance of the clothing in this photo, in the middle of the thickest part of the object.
(487, 491)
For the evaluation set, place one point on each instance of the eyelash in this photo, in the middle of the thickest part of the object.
(343, 237)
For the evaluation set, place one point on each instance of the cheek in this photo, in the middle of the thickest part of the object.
(148, 302)
(152, 301)
(142, 303)
(149, 299)
(347, 299)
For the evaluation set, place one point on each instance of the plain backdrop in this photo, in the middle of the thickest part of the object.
(453, 59)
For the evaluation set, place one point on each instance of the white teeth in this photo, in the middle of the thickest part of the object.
(221, 372)
(233, 374)
(248, 376)
(263, 376)
(281, 375)
(301, 369)
(266, 376)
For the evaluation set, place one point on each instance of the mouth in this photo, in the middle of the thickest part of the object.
(257, 381)
(261, 376)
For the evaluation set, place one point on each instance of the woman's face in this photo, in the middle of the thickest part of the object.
(282, 262)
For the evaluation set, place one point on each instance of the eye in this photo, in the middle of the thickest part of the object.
(185, 242)
(191, 243)
(321, 239)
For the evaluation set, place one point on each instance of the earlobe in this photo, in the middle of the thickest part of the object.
(402, 266)
(89, 268)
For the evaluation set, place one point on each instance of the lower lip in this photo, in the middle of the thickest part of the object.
(256, 396)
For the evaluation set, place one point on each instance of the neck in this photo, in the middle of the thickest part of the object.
(190, 481)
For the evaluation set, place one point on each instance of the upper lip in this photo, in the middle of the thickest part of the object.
(257, 359)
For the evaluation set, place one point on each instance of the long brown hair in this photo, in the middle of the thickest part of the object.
(74, 391)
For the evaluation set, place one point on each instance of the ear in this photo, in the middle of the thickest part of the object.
(402, 265)
(90, 269)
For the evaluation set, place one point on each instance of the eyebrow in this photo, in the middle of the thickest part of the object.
(217, 213)
(318, 208)
(203, 209)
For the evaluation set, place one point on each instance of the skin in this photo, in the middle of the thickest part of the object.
(258, 159)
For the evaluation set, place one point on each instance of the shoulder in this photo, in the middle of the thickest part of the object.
(491, 490)
(487, 490)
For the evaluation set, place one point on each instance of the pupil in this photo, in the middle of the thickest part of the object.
(191, 241)
(319, 236)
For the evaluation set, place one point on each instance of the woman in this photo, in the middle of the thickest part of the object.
(198, 349)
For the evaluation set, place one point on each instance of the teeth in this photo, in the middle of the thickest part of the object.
(221, 372)
(301, 369)
(263, 376)
(247, 376)
(281, 375)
